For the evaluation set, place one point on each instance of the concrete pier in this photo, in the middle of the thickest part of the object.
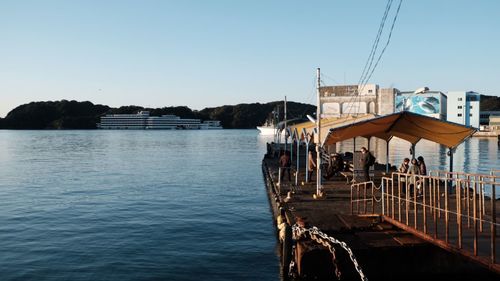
(383, 251)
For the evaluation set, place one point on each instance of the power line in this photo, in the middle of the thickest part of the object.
(369, 60)
(368, 70)
(371, 56)
(388, 40)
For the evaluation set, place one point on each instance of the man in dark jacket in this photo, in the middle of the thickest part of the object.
(285, 165)
(366, 162)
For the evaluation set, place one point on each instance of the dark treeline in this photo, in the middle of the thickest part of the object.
(85, 115)
(489, 103)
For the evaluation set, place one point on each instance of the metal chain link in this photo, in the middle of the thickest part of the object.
(327, 241)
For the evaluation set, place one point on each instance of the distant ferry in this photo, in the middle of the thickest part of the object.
(142, 121)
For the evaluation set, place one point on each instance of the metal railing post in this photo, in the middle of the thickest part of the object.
(474, 213)
(446, 213)
(352, 201)
(415, 201)
(373, 198)
(382, 197)
(407, 195)
(459, 213)
(481, 205)
(364, 197)
(399, 197)
(392, 198)
(424, 208)
(467, 201)
(436, 210)
(493, 222)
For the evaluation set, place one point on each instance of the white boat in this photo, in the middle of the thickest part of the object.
(271, 126)
(143, 121)
(267, 130)
(271, 130)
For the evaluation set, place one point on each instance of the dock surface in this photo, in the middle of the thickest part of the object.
(383, 251)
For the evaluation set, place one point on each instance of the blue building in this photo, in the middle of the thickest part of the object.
(463, 108)
(428, 103)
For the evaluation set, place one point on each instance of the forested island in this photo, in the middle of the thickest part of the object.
(66, 114)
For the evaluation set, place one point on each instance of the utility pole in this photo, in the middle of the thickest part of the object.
(285, 129)
(318, 143)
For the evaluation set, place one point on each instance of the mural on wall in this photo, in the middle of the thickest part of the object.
(418, 104)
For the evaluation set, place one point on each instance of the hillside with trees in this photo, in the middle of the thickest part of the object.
(66, 114)
(85, 115)
(489, 103)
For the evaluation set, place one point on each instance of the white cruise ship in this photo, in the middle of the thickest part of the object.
(142, 121)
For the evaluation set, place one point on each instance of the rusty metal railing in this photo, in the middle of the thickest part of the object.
(456, 211)
(359, 194)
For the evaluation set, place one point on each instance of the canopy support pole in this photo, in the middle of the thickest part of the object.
(307, 161)
(298, 163)
(387, 156)
(451, 159)
(413, 151)
(291, 149)
(354, 145)
(278, 133)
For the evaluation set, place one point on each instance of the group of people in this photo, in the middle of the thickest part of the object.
(336, 164)
(416, 168)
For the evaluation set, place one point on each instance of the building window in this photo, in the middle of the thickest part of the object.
(459, 99)
(459, 107)
(470, 107)
(470, 115)
(370, 91)
(459, 115)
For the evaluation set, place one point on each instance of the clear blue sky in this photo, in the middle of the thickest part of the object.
(210, 53)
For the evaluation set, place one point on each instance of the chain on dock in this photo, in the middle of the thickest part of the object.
(327, 241)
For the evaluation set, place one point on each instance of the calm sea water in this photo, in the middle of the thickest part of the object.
(134, 205)
(153, 205)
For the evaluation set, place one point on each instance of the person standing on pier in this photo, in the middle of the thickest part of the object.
(421, 166)
(414, 172)
(312, 164)
(367, 160)
(405, 166)
(285, 164)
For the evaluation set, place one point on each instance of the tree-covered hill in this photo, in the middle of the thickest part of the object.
(54, 115)
(85, 115)
(489, 103)
(246, 116)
